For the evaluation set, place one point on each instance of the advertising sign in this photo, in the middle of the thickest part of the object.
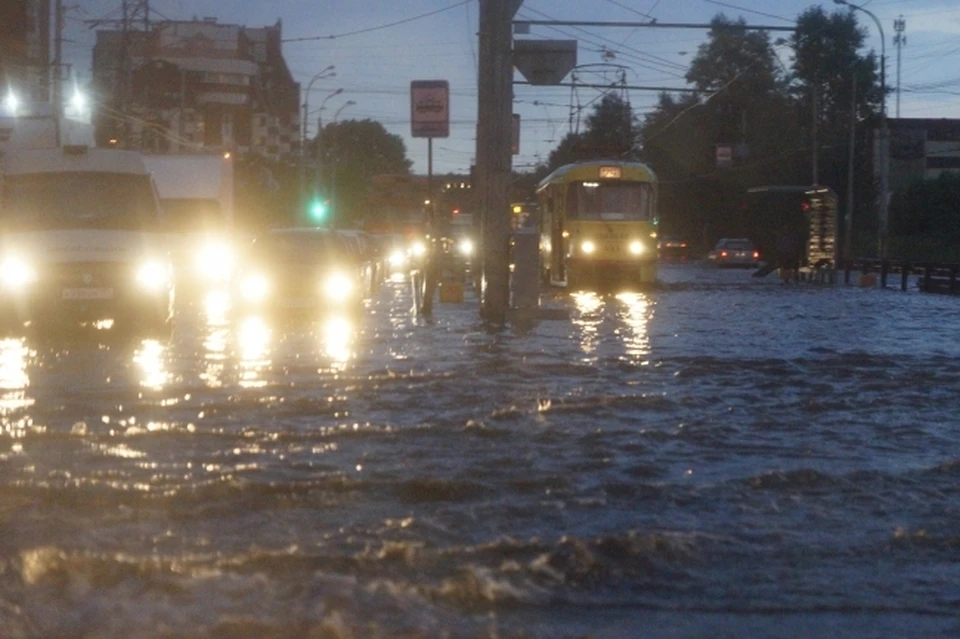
(430, 108)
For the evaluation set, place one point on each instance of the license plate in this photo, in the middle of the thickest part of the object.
(87, 293)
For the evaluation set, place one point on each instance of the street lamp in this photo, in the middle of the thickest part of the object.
(884, 133)
(318, 186)
(336, 150)
(325, 73)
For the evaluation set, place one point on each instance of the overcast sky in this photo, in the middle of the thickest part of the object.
(379, 46)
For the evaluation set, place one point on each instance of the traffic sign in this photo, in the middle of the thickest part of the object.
(430, 108)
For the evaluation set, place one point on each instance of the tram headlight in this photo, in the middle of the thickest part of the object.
(465, 247)
(636, 248)
(16, 273)
(588, 247)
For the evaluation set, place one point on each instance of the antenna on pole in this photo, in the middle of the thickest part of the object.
(900, 41)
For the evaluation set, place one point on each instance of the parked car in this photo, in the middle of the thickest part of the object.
(673, 249)
(734, 252)
(298, 269)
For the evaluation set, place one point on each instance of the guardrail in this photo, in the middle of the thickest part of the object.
(935, 277)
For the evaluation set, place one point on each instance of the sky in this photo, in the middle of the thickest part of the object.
(377, 47)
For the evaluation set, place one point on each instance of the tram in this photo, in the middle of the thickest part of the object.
(598, 225)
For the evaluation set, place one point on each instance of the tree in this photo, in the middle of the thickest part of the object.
(827, 63)
(612, 130)
(351, 153)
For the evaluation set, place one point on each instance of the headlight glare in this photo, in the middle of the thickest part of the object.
(588, 247)
(214, 260)
(465, 246)
(636, 247)
(397, 258)
(153, 275)
(337, 287)
(16, 274)
(254, 287)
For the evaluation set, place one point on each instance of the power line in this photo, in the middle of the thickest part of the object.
(380, 27)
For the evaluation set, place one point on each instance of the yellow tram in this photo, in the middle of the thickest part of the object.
(598, 225)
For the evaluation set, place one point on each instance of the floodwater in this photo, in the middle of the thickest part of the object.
(723, 457)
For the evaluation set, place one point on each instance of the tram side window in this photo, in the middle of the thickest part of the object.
(609, 201)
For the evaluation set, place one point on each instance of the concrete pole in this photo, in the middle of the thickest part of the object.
(494, 132)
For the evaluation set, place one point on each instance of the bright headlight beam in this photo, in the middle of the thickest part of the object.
(588, 247)
(254, 287)
(153, 275)
(465, 247)
(337, 287)
(636, 247)
(16, 273)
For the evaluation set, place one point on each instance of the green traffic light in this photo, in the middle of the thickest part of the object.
(318, 209)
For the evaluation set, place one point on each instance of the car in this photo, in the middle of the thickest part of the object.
(673, 249)
(299, 270)
(733, 253)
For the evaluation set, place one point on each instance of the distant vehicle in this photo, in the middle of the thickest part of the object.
(673, 249)
(734, 253)
(196, 196)
(295, 270)
(598, 224)
(80, 240)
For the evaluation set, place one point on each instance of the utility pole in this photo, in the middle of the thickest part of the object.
(56, 84)
(900, 41)
(494, 133)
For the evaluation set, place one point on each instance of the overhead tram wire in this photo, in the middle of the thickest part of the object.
(380, 27)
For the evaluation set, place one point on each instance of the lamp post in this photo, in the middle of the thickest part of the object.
(319, 155)
(325, 73)
(333, 188)
(884, 135)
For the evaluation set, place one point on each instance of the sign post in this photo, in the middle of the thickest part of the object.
(430, 118)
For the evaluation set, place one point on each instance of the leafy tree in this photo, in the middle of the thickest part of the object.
(612, 130)
(351, 153)
(827, 63)
(928, 208)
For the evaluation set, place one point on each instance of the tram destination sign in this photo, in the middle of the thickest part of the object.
(430, 108)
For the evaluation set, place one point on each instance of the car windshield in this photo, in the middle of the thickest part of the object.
(77, 200)
(312, 247)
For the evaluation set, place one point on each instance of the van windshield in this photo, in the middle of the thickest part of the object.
(77, 200)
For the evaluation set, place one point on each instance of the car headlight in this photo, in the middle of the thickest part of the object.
(418, 248)
(397, 258)
(337, 287)
(588, 247)
(16, 274)
(465, 247)
(214, 260)
(636, 248)
(254, 287)
(153, 275)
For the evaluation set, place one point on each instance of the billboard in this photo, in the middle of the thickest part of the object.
(430, 108)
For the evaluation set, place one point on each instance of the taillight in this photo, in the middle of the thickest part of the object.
(723, 253)
(756, 255)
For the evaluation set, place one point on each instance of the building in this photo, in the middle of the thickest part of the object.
(25, 50)
(185, 86)
(922, 149)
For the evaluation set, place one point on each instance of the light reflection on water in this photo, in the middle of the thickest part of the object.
(537, 479)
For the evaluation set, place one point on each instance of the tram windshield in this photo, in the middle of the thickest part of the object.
(610, 201)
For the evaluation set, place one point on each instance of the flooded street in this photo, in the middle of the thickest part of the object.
(725, 456)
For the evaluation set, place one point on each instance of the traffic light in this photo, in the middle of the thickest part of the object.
(318, 209)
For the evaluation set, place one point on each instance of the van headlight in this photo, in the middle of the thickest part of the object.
(636, 248)
(337, 287)
(588, 247)
(153, 275)
(16, 273)
(254, 287)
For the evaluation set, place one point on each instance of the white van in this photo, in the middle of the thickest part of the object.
(80, 240)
